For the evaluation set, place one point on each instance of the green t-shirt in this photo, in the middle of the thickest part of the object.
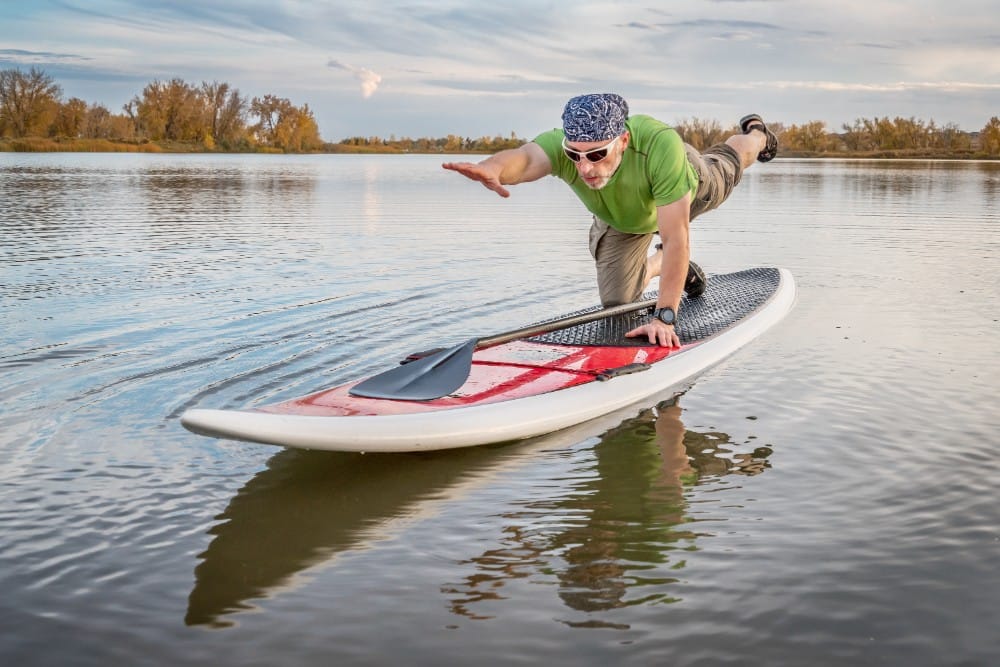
(654, 172)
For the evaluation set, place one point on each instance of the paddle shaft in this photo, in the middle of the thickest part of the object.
(564, 323)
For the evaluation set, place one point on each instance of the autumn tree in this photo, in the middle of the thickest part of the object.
(700, 133)
(69, 118)
(951, 138)
(28, 102)
(97, 123)
(989, 137)
(170, 110)
(269, 111)
(284, 126)
(226, 110)
(304, 131)
(856, 136)
(811, 137)
(100, 123)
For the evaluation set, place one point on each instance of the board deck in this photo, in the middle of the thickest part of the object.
(526, 387)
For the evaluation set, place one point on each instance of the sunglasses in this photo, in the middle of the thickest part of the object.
(594, 155)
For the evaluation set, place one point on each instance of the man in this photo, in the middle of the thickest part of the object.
(638, 178)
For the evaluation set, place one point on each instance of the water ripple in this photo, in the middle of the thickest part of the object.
(784, 509)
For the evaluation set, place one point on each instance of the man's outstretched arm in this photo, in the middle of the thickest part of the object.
(510, 167)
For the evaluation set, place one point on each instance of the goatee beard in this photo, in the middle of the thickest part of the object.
(599, 184)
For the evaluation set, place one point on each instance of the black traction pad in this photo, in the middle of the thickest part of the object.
(729, 298)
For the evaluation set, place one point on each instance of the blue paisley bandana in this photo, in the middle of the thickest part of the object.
(594, 117)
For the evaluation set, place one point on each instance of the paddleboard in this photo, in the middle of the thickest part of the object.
(525, 388)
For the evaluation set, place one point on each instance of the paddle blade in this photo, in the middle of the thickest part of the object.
(425, 379)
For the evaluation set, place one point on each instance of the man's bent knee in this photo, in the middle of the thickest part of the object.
(615, 291)
(620, 260)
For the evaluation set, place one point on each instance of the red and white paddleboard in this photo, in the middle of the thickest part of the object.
(527, 387)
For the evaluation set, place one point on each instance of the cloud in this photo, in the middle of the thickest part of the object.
(734, 36)
(638, 25)
(875, 45)
(723, 24)
(892, 87)
(369, 80)
(21, 55)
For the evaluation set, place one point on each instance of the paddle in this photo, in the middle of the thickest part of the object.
(441, 373)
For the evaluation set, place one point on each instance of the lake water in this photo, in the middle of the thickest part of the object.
(828, 495)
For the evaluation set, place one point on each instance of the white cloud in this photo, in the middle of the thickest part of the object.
(369, 79)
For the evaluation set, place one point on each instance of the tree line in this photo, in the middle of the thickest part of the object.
(865, 137)
(216, 116)
(449, 144)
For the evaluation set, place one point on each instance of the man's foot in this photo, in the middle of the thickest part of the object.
(754, 122)
(696, 282)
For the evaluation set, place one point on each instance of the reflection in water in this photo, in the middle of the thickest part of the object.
(991, 187)
(305, 508)
(621, 525)
(370, 202)
(219, 198)
(620, 531)
(94, 229)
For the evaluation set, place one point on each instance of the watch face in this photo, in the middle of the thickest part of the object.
(666, 315)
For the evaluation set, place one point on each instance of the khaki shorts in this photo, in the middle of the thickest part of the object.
(621, 257)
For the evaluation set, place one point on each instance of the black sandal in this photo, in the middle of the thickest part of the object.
(752, 122)
(696, 281)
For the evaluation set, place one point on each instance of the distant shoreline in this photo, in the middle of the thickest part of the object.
(44, 145)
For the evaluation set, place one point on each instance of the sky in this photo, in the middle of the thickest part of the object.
(416, 68)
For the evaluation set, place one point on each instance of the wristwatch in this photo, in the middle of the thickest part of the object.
(665, 315)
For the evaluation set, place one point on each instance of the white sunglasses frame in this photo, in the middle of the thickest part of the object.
(586, 154)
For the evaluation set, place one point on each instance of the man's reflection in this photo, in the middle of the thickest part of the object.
(607, 535)
(617, 535)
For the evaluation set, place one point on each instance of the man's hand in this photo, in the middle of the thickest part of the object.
(658, 333)
(490, 178)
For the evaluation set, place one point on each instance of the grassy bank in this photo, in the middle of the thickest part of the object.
(44, 145)
(900, 154)
(63, 145)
